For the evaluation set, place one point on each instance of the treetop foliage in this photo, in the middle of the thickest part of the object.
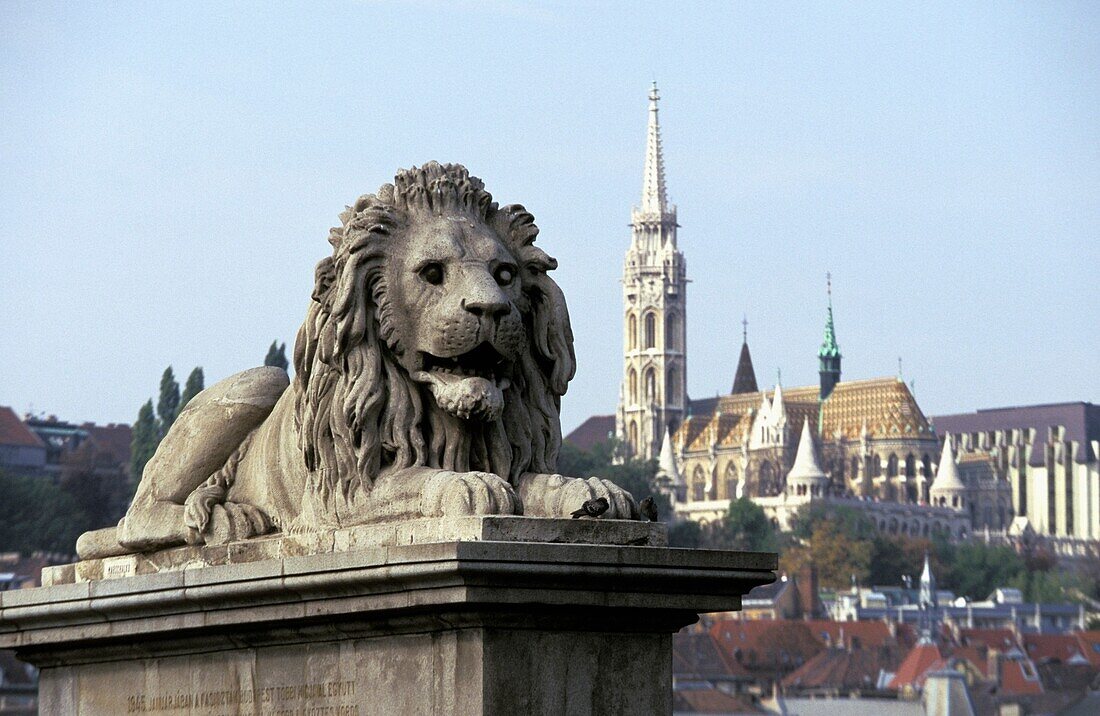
(276, 356)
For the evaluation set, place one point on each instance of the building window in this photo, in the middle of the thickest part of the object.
(632, 331)
(698, 484)
(633, 387)
(731, 481)
(633, 435)
(650, 330)
(768, 484)
(672, 332)
(672, 387)
(650, 385)
(892, 466)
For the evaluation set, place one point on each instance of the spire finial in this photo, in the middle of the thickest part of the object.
(829, 286)
(745, 329)
(654, 197)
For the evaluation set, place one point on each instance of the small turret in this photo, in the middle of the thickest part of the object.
(806, 476)
(948, 489)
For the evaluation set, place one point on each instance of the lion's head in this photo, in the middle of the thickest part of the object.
(435, 337)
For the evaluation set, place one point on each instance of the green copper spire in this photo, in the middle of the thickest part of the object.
(829, 348)
(829, 356)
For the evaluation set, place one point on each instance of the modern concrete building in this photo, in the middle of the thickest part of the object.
(1043, 460)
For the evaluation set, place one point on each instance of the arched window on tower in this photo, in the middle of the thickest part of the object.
(768, 484)
(650, 330)
(892, 466)
(650, 385)
(632, 331)
(731, 481)
(633, 386)
(633, 435)
(698, 484)
(672, 332)
(672, 387)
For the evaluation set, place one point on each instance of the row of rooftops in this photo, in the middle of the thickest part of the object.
(52, 436)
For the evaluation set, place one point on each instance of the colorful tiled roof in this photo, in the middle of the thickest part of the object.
(885, 405)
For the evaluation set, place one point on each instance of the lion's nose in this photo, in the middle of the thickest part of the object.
(487, 308)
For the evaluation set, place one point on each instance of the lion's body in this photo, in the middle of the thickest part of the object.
(428, 374)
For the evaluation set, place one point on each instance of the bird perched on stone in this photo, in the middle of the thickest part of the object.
(648, 509)
(592, 508)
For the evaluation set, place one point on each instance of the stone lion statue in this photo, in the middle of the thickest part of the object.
(427, 379)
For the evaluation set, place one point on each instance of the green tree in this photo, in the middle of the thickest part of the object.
(745, 527)
(36, 514)
(276, 356)
(833, 550)
(145, 436)
(847, 520)
(168, 405)
(194, 386)
(974, 570)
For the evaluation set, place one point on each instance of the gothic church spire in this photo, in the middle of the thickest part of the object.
(654, 195)
(744, 380)
(829, 354)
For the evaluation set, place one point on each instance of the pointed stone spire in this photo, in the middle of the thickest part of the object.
(928, 597)
(947, 475)
(666, 463)
(654, 197)
(744, 380)
(779, 410)
(806, 470)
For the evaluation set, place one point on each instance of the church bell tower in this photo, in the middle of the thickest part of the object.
(654, 389)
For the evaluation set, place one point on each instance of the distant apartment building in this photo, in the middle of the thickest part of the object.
(1046, 456)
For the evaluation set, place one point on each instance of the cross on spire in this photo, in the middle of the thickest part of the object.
(745, 329)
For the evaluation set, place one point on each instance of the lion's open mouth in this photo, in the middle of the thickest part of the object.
(470, 385)
(482, 362)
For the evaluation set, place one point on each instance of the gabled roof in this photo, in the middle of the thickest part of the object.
(1051, 647)
(1001, 639)
(596, 429)
(114, 439)
(697, 656)
(844, 669)
(920, 660)
(14, 433)
(1019, 677)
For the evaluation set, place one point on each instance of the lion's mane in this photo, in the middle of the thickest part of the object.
(357, 411)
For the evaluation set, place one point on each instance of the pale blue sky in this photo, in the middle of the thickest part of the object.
(168, 174)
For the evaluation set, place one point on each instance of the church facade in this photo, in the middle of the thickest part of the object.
(874, 446)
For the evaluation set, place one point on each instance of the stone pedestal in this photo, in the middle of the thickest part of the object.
(505, 615)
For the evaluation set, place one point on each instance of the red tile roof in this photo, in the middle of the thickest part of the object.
(713, 701)
(597, 429)
(1051, 647)
(696, 655)
(1090, 646)
(857, 634)
(1019, 677)
(14, 432)
(767, 644)
(113, 439)
(917, 663)
(844, 669)
(1001, 639)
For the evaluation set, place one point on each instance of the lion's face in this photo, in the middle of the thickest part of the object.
(453, 288)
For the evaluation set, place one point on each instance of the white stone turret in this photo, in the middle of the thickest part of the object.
(948, 489)
(806, 476)
(668, 474)
(769, 427)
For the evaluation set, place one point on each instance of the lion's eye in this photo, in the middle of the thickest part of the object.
(505, 274)
(432, 273)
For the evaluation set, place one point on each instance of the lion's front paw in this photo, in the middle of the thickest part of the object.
(575, 491)
(456, 494)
